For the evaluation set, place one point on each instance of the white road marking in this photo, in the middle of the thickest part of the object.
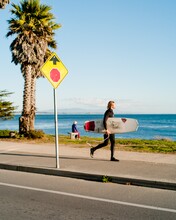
(91, 198)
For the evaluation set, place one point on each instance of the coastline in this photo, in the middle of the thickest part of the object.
(151, 126)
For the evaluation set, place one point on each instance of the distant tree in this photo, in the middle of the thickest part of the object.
(6, 107)
(34, 26)
(3, 3)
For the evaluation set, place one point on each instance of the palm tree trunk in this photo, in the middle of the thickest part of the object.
(33, 103)
(24, 120)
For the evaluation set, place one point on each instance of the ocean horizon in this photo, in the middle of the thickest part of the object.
(151, 126)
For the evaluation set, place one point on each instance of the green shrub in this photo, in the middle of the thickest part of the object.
(35, 134)
(4, 133)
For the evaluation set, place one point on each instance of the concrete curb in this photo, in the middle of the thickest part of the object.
(91, 177)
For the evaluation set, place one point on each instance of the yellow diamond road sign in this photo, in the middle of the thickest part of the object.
(54, 70)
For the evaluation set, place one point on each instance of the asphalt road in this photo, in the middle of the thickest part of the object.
(34, 196)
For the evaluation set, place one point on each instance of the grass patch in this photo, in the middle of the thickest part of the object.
(138, 145)
(157, 146)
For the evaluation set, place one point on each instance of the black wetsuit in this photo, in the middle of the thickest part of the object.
(108, 114)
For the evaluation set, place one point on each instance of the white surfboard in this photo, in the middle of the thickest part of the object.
(114, 125)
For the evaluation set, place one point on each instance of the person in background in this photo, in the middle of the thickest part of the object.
(75, 130)
(107, 136)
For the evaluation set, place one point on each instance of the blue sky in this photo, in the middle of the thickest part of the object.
(122, 50)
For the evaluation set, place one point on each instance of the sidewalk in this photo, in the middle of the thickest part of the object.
(143, 169)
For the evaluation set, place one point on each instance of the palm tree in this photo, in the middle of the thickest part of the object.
(3, 3)
(34, 26)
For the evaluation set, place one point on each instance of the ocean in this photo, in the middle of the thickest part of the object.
(151, 126)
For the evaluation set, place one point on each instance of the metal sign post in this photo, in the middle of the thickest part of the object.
(56, 130)
(55, 71)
